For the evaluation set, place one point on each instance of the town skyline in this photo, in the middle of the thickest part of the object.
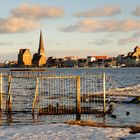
(81, 28)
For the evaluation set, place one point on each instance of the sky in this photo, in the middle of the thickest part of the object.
(70, 27)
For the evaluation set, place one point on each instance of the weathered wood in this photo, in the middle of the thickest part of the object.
(104, 93)
(78, 98)
(35, 97)
(9, 102)
(1, 90)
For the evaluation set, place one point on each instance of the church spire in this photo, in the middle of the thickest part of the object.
(41, 49)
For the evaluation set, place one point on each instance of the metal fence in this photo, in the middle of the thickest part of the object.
(39, 94)
(53, 95)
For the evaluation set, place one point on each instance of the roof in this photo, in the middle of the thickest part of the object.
(101, 57)
(41, 44)
(22, 51)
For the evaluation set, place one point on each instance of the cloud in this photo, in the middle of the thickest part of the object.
(108, 10)
(125, 41)
(10, 43)
(137, 34)
(27, 18)
(137, 11)
(37, 11)
(14, 24)
(53, 43)
(91, 25)
(134, 38)
(101, 42)
(6, 43)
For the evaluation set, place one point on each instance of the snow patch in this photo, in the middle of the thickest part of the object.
(61, 132)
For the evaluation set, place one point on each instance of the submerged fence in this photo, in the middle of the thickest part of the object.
(59, 96)
(41, 94)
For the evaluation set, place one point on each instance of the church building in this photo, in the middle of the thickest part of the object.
(39, 59)
(24, 58)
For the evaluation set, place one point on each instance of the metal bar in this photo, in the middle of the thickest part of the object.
(9, 102)
(104, 93)
(78, 98)
(35, 97)
(1, 90)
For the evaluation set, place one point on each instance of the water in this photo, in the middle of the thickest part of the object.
(121, 78)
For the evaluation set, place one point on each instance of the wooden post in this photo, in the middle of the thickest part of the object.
(78, 99)
(36, 97)
(1, 90)
(104, 93)
(9, 102)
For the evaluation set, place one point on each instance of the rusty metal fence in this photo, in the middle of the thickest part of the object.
(61, 96)
(54, 94)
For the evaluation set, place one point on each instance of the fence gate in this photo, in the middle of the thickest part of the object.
(71, 95)
(19, 94)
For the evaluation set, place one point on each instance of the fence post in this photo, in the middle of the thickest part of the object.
(78, 98)
(9, 102)
(104, 93)
(36, 97)
(1, 90)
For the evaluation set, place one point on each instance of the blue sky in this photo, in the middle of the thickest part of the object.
(70, 27)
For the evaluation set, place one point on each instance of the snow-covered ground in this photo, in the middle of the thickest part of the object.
(64, 132)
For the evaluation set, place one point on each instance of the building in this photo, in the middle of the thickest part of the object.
(93, 61)
(52, 62)
(131, 60)
(39, 59)
(70, 61)
(135, 54)
(82, 62)
(70, 57)
(24, 58)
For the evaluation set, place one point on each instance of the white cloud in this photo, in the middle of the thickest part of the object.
(13, 25)
(92, 25)
(108, 10)
(125, 41)
(27, 18)
(101, 42)
(37, 11)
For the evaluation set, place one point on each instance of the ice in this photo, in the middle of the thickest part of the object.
(131, 89)
(132, 137)
(61, 132)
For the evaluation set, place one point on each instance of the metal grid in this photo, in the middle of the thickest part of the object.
(52, 94)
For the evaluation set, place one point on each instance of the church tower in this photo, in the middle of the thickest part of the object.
(41, 50)
(39, 59)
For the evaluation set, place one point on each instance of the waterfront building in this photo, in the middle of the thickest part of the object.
(24, 58)
(132, 59)
(135, 54)
(93, 61)
(52, 62)
(82, 62)
(70, 57)
(39, 59)
(70, 61)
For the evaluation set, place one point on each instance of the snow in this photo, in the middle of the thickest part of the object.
(131, 90)
(61, 132)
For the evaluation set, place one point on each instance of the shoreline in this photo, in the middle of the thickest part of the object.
(133, 128)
